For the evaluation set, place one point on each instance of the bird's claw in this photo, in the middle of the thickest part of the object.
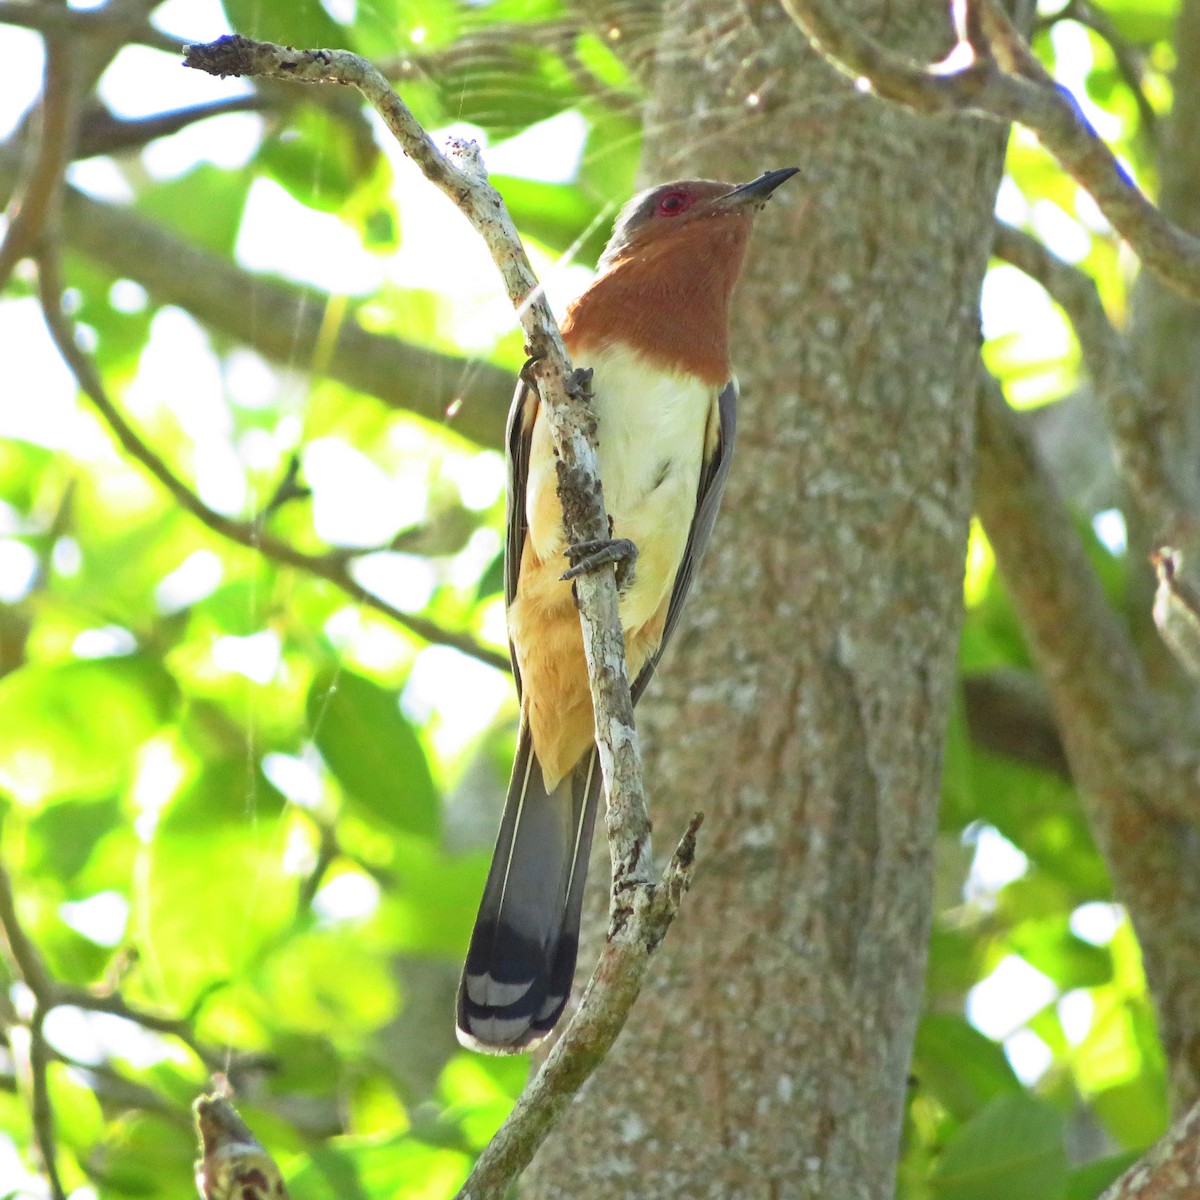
(586, 557)
(526, 373)
(579, 384)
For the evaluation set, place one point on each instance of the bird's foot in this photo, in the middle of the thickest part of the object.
(586, 557)
(579, 385)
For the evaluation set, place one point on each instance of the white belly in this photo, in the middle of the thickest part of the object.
(651, 445)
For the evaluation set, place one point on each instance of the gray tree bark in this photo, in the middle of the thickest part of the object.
(1164, 901)
(804, 704)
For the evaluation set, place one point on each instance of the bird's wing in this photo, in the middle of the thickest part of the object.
(518, 436)
(713, 473)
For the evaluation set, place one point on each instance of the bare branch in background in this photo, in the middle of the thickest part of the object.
(1138, 777)
(1086, 654)
(102, 133)
(33, 207)
(1009, 713)
(49, 993)
(649, 903)
(122, 22)
(997, 76)
(330, 567)
(280, 319)
(1133, 421)
(1128, 57)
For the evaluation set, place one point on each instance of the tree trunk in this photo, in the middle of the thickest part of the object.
(804, 704)
(1165, 333)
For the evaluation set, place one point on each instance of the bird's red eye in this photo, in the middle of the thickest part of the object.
(671, 204)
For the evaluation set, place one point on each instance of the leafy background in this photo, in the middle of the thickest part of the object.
(250, 801)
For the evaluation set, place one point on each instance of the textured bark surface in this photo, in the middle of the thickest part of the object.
(804, 704)
(1165, 333)
(1166, 329)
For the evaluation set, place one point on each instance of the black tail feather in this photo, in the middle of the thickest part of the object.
(521, 960)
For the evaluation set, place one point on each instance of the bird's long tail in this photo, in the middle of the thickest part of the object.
(521, 961)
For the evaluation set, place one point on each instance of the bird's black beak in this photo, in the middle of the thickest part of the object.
(755, 192)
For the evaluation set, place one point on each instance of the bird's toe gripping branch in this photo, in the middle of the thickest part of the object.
(586, 557)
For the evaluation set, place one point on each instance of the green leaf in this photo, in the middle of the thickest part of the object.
(302, 23)
(1011, 1148)
(140, 1153)
(556, 214)
(205, 205)
(1051, 947)
(1087, 1182)
(61, 838)
(217, 899)
(1134, 1112)
(231, 791)
(491, 582)
(216, 892)
(433, 906)
(400, 1168)
(23, 472)
(959, 1065)
(373, 751)
(1142, 21)
(330, 983)
(319, 159)
(505, 87)
(71, 729)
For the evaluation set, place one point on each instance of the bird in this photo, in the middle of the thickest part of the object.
(653, 327)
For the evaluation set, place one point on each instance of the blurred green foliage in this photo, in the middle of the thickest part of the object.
(238, 796)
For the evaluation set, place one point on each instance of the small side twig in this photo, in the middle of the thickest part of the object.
(997, 77)
(1177, 608)
(41, 1108)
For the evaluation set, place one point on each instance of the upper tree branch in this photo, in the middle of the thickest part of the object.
(995, 75)
(640, 910)
(110, 21)
(34, 205)
(330, 567)
(278, 319)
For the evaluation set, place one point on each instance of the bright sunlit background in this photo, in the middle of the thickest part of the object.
(183, 384)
